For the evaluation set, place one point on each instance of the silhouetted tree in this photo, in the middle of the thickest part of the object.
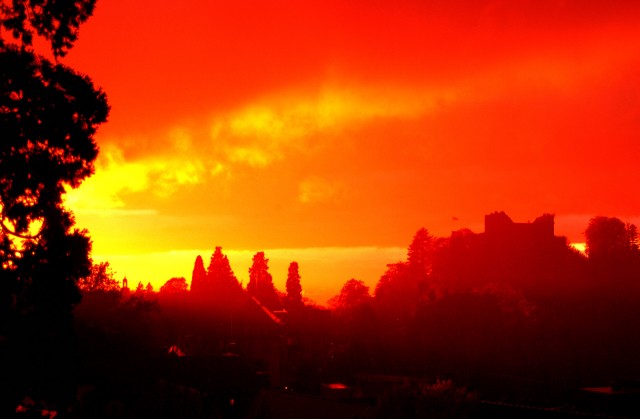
(495, 320)
(199, 276)
(405, 284)
(48, 117)
(397, 292)
(101, 279)
(420, 253)
(634, 241)
(261, 283)
(354, 330)
(612, 248)
(142, 299)
(354, 293)
(608, 238)
(294, 289)
(220, 276)
(57, 21)
(174, 286)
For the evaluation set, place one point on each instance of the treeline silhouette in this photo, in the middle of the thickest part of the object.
(508, 322)
(49, 115)
(513, 314)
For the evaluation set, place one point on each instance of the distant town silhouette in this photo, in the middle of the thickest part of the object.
(509, 321)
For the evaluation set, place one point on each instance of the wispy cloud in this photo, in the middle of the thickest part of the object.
(265, 132)
(274, 130)
(257, 135)
(317, 189)
(117, 176)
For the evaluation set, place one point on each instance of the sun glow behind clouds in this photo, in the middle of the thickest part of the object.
(311, 126)
(116, 176)
(257, 135)
(267, 131)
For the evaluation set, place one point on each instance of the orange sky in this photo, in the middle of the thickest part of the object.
(328, 132)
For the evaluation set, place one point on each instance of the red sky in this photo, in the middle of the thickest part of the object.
(328, 132)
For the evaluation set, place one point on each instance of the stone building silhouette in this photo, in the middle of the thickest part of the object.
(526, 255)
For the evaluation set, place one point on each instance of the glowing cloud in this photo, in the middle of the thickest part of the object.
(263, 133)
(315, 190)
(113, 176)
(116, 176)
(257, 135)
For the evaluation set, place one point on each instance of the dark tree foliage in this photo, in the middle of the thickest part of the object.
(405, 284)
(199, 275)
(354, 293)
(58, 21)
(634, 240)
(355, 326)
(609, 238)
(219, 272)
(176, 285)
(397, 292)
(421, 253)
(217, 287)
(261, 283)
(612, 247)
(294, 289)
(49, 115)
(101, 279)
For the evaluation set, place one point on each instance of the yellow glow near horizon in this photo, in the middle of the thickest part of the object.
(322, 269)
(581, 247)
(311, 128)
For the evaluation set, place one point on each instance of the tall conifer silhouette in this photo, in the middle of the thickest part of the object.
(221, 281)
(261, 283)
(294, 289)
(420, 253)
(218, 284)
(198, 276)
